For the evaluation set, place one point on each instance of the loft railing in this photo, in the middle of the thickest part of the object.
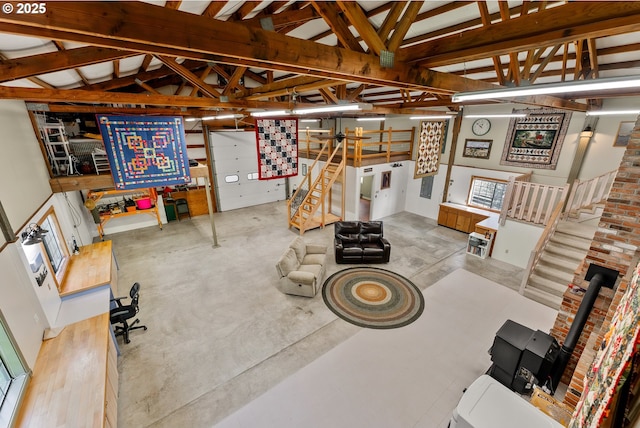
(379, 145)
(375, 146)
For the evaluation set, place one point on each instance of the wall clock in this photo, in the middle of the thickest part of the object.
(481, 126)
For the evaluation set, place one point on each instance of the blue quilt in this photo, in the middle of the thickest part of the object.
(145, 151)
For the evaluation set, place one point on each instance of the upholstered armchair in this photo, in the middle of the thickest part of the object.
(301, 268)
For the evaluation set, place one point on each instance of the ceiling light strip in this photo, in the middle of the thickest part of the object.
(551, 88)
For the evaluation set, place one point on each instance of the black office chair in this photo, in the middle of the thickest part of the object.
(121, 314)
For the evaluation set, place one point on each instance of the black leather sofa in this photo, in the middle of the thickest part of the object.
(360, 242)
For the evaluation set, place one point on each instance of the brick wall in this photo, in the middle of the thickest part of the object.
(615, 245)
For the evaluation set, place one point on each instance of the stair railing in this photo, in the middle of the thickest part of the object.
(544, 239)
(300, 193)
(531, 202)
(587, 193)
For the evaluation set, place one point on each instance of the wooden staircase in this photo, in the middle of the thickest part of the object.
(561, 257)
(310, 206)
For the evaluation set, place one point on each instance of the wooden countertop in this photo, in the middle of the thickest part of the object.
(492, 221)
(67, 388)
(89, 269)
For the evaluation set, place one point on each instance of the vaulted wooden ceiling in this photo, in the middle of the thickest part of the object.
(403, 57)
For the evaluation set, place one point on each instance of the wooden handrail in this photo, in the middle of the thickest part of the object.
(589, 192)
(537, 251)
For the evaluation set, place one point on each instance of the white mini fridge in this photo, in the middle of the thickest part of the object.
(489, 404)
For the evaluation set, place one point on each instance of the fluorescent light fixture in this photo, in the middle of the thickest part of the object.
(328, 109)
(370, 119)
(223, 116)
(489, 116)
(551, 88)
(191, 119)
(309, 120)
(612, 112)
(432, 116)
(269, 113)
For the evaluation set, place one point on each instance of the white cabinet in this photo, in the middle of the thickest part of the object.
(478, 245)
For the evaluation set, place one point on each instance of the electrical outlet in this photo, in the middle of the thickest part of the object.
(36, 318)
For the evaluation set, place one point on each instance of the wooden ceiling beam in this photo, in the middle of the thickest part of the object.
(214, 8)
(300, 88)
(331, 15)
(568, 22)
(204, 87)
(402, 28)
(28, 66)
(391, 20)
(486, 21)
(285, 19)
(105, 24)
(95, 97)
(232, 83)
(357, 18)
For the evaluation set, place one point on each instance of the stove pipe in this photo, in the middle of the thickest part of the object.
(598, 277)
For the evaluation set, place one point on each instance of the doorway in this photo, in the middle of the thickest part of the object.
(364, 208)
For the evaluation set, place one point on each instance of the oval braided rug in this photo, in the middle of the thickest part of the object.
(372, 297)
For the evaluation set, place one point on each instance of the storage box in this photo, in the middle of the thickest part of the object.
(143, 203)
(552, 407)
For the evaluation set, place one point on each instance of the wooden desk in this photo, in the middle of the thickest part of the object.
(75, 379)
(90, 269)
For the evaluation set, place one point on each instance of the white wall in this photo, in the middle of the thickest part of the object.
(515, 241)
(25, 179)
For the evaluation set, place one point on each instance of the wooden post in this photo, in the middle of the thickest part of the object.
(457, 122)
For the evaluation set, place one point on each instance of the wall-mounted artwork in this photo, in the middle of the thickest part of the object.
(277, 142)
(624, 132)
(386, 180)
(534, 141)
(431, 139)
(145, 151)
(475, 148)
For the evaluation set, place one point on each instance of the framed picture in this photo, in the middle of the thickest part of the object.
(386, 180)
(535, 140)
(475, 148)
(624, 132)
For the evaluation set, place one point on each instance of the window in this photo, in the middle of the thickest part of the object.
(487, 193)
(13, 376)
(53, 251)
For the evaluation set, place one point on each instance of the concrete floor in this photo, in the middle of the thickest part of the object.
(220, 333)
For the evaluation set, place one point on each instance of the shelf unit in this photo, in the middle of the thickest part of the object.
(94, 196)
(478, 245)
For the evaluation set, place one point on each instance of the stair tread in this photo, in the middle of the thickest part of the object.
(544, 298)
(552, 287)
(577, 229)
(566, 250)
(550, 271)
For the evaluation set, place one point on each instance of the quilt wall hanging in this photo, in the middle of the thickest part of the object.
(277, 144)
(145, 151)
(613, 362)
(534, 141)
(431, 139)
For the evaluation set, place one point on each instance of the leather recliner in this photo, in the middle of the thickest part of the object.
(360, 242)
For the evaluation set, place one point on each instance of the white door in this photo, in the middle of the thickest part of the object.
(235, 162)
